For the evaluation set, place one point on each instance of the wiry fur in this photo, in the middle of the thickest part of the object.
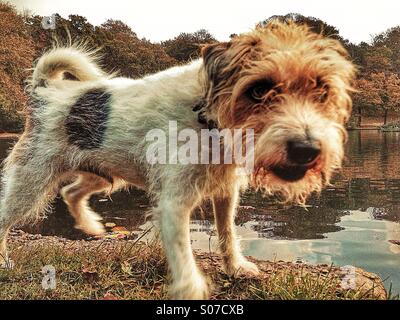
(309, 98)
(63, 62)
(295, 60)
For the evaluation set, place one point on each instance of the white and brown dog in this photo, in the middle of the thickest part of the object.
(288, 84)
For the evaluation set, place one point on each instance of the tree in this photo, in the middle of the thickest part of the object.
(16, 56)
(122, 50)
(315, 24)
(187, 46)
(376, 60)
(75, 29)
(390, 40)
(23, 39)
(378, 90)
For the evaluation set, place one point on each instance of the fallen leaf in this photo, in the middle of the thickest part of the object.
(119, 229)
(126, 267)
(109, 296)
(90, 274)
(124, 232)
(110, 224)
(115, 236)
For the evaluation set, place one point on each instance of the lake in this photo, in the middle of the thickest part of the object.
(353, 222)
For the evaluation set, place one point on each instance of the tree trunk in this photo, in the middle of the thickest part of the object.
(385, 117)
(359, 117)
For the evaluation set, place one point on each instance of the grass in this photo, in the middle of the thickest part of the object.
(124, 272)
(121, 269)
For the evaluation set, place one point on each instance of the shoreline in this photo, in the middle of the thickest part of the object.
(130, 269)
(9, 135)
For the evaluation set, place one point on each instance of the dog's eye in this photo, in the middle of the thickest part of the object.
(260, 89)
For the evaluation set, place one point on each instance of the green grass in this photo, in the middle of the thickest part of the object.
(129, 270)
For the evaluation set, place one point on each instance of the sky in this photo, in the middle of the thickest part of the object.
(356, 20)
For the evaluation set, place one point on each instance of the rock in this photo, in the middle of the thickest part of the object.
(348, 277)
(370, 281)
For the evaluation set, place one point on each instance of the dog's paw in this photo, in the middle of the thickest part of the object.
(91, 225)
(242, 267)
(191, 289)
(91, 215)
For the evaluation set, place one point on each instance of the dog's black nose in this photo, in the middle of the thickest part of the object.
(303, 152)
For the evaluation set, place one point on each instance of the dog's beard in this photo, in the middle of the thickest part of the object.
(296, 192)
(274, 175)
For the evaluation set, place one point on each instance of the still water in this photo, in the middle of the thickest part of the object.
(354, 222)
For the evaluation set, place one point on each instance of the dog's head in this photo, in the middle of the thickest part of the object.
(292, 87)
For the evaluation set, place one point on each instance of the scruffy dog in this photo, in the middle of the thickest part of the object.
(288, 84)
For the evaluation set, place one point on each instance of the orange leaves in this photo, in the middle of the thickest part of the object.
(115, 232)
(379, 90)
(16, 57)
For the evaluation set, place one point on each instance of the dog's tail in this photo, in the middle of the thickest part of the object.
(66, 63)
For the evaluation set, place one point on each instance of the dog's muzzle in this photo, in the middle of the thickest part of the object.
(302, 155)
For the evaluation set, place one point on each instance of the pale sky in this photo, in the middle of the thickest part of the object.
(159, 20)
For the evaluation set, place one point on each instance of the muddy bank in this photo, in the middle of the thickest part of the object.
(131, 269)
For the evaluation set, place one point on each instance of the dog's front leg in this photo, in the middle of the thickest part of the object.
(224, 211)
(187, 280)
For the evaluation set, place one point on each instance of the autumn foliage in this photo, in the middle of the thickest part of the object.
(185, 46)
(16, 56)
(23, 39)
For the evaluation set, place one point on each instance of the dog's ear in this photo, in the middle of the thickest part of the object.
(215, 61)
(222, 61)
(222, 64)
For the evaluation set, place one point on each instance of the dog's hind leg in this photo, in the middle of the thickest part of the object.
(224, 211)
(77, 194)
(28, 185)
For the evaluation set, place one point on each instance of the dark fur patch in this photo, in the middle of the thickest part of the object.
(87, 121)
